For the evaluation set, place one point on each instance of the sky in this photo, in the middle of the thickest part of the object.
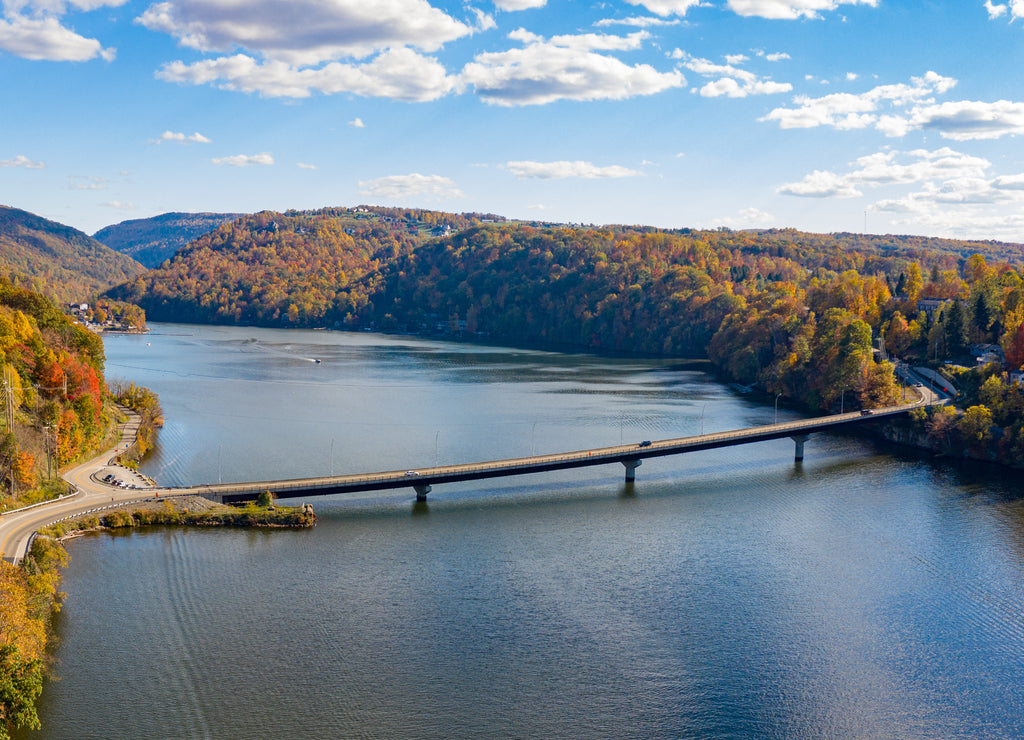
(877, 116)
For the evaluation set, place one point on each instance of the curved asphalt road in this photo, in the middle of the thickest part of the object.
(91, 494)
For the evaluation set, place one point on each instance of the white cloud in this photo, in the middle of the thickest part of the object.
(401, 74)
(400, 187)
(746, 219)
(119, 205)
(304, 166)
(564, 68)
(304, 32)
(940, 169)
(563, 169)
(81, 182)
(853, 111)
(791, 9)
(954, 195)
(967, 119)
(637, 22)
(513, 5)
(22, 161)
(666, 7)
(46, 39)
(244, 160)
(821, 184)
(196, 138)
(732, 81)
(357, 123)
(777, 56)
(994, 11)
(57, 7)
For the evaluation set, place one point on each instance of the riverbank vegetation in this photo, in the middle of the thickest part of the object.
(28, 600)
(190, 512)
(146, 404)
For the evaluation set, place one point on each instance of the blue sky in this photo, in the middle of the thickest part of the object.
(822, 115)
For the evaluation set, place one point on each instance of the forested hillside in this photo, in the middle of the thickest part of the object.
(297, 269)
(151, 241)
(52, 388)
(58, 261)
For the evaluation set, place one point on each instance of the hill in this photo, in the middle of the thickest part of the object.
(58, 261)
(152, 241)
(296, 269)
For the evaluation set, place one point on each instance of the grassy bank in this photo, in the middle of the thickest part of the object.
(189, 512)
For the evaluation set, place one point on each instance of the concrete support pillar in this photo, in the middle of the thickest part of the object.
(800, 439)
(631, 466)
(421, 492)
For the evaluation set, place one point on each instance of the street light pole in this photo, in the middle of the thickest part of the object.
(777, 407)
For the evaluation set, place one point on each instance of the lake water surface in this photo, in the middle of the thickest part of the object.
(727, 594)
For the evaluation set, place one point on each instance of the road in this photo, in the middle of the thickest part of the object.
(629, 455)
(16, 527)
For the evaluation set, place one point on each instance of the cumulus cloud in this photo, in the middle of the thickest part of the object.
(304, 32)
(401, 74)
(563, 169)
(821, 184)
(46, 39)
(731, 81)
(81, 182)
(564, 68)
(666, 7)
(748, 218)
(244, 160)
(891, 168)
(967, 119)
(400, 187)
(853, 111)
(304, 166)
(791, 9)
(196, 138)
(357, 123)
(512, 5)
(637, 22)
(57, 7)
(948, 192)
(996, 10)
(22, 161)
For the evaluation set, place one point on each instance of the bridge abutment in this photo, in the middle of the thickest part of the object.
(631, 466)
(800, 439)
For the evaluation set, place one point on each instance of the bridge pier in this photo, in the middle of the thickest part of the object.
(421, 492)
(799, 439)
(631, 466)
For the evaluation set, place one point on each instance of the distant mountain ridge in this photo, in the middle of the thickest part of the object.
(154, 240)
(58, 261)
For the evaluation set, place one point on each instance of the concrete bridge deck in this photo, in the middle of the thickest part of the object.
(630, 456)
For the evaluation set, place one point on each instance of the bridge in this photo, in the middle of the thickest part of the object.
(630, 456)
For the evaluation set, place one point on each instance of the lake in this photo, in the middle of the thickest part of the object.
(733, 593)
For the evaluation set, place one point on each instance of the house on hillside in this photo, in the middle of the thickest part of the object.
(988, 353)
